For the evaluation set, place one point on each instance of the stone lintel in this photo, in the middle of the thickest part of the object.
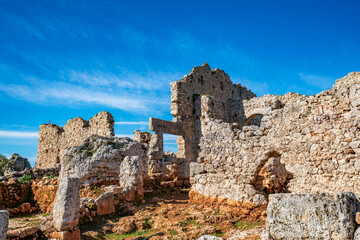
(159, 125)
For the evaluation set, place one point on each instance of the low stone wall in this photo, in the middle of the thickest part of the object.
(34, 187)
(14, 193)
(44, 191)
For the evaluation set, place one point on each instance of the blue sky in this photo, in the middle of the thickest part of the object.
(63, 59)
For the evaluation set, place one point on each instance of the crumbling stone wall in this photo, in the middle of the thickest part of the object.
(54, 140)
(186, 108)
(290, 143)
(160, 166)
(33, 186)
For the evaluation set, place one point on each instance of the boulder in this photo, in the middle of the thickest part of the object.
(105, 204)
(67, 206)
(357, 234)
(99, 158)
(4, 222)
(16, 163)
(24, 208)
(302, 216)
(125, 225)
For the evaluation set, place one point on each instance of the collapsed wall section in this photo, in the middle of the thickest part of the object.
(54, 140)
(295, 143)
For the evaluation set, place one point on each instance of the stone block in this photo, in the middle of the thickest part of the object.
(67, 206)
(131, 177)
(302, 216)
(4, 222)
(22, 233)
(105, 204)
(66, 235)
(159, 125)
(114, 189)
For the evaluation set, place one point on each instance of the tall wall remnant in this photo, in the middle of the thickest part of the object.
(54, 140)
(291, 143)
(186, 108)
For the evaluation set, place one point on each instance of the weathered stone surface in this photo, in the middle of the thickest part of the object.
(101, 159)
(155, 153)
(301, 216)
(44, 191)
(209, 237)
(291, 143)
(4, 222)
(125, 225)
(66, 235)
(131, 177)
(24, 208)
(105, 204)
(16, 163)
(54, 140)
(186, 108)
(159, 125)
(114, 189)
(67, 206)
(22, 233)
(357, 234)
(156, 146)
(141, 137)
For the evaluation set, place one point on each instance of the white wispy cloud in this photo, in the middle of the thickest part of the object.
(17, 134)
(132, 123)
(322, 82)
(125, 79)
(64, 94)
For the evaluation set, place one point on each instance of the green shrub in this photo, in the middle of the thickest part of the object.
(25, 179)
(3, 163)
(173, 233)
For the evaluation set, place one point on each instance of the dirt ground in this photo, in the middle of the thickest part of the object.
(165, 214)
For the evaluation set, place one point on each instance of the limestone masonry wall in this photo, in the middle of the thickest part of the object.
(186, 107)
(54, 140)
(290, 143)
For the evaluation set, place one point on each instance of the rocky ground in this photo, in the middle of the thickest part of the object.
(165, 214)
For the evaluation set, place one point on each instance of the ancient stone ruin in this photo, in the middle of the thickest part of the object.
(187, 110)
(292, 160)
(54, 140)
(291, 143)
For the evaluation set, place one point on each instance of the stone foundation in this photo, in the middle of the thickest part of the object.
(247, 210)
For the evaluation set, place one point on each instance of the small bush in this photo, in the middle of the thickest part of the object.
(173, 233)
(25, 179)
(49, 177)
(148, 222)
